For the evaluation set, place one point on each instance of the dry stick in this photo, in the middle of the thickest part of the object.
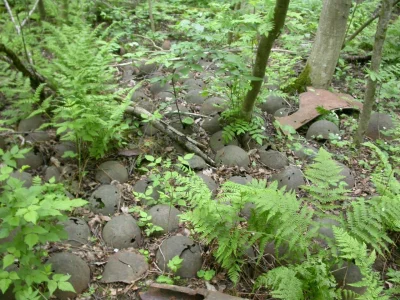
(36, 78)
(12, 17)
(149, 39)
(174, 134)
(30, 13)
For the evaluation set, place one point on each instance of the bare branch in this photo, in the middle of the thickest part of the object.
(17, 27)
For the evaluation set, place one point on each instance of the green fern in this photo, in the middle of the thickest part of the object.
(352, 249)
(283, 284)
(327, 187)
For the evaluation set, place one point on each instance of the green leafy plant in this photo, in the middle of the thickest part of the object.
(145, 221)
(30, 217)
(206, 274)
(174, 265)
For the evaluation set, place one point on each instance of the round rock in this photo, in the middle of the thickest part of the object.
(124, 267)
(158, 87)
(346, 274)
(111, 170)
(193, 84)
(212, 186)
(68, 263)
(197, 163)
(348, 176)
(282, 112)
(147, 68)
(291, 178)
(51, 172)
(63, 147)
(217, 142)
(122, 232)
(379, 123)
(32, 159)
(186, 249)
(195, 97)
(25, 177)
(105, 200)
(141, 186)
(164, 216)
(232, 156)
(273, 159)
(212, 106)
(325, 231)
(321, 130)
(306, 152)
(30, 124)
(212, 125)
(243, 180)
(273, 103)
(78, 231)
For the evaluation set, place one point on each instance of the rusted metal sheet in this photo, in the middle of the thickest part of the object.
(314, 98)
(167, 292)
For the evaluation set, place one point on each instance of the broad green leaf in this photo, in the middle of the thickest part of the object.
(8, 260)
(31, 216)
(52, 286)
(4, 284)
(149, 157)
(66, 286)
(31, 240)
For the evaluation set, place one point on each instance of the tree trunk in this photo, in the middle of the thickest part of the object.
(42, 10)
(152, 24)
(328, 42)
(376, 59)
(263, 52)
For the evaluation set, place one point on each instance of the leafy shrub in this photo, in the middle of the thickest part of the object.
(30, 218)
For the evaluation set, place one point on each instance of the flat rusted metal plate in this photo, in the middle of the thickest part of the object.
(313, 98)
(167, 292)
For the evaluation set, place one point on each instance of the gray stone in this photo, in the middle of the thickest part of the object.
(147, 68)
(78, 232)
(193, 84)
(272, 104)
(164, 95)
(165, 216)
(111, 170)
(158, 87)
(272, 254)
(291, 178)
(379, 123)
(124, 267)
(211, 125)
(141, 186)
(30, 124)
(32, 159)
(213, 106)
(321, 130)
(282, 112)
(347, 273)
(349, 177)
(306, 152)
(51, 172)
(197, 163)
(212, 186)
(105, 200)
(325, 231)
(186, 249)
(23, 176)
(195, 97)
(139, 96)
(232, 156)
(273, 159)
(217, 142)
(122, 232)
(71, 264)
(63, 147)
(244, 180)
(184, 128)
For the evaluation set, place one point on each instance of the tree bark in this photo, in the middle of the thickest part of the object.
(152, 24)
(328, 42)
(369, 96)
(263, 52)
(42, 10)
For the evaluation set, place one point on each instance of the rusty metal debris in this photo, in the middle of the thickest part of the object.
(167, 292)
(313, 98)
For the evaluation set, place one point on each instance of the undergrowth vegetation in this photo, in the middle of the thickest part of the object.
(84, 103)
